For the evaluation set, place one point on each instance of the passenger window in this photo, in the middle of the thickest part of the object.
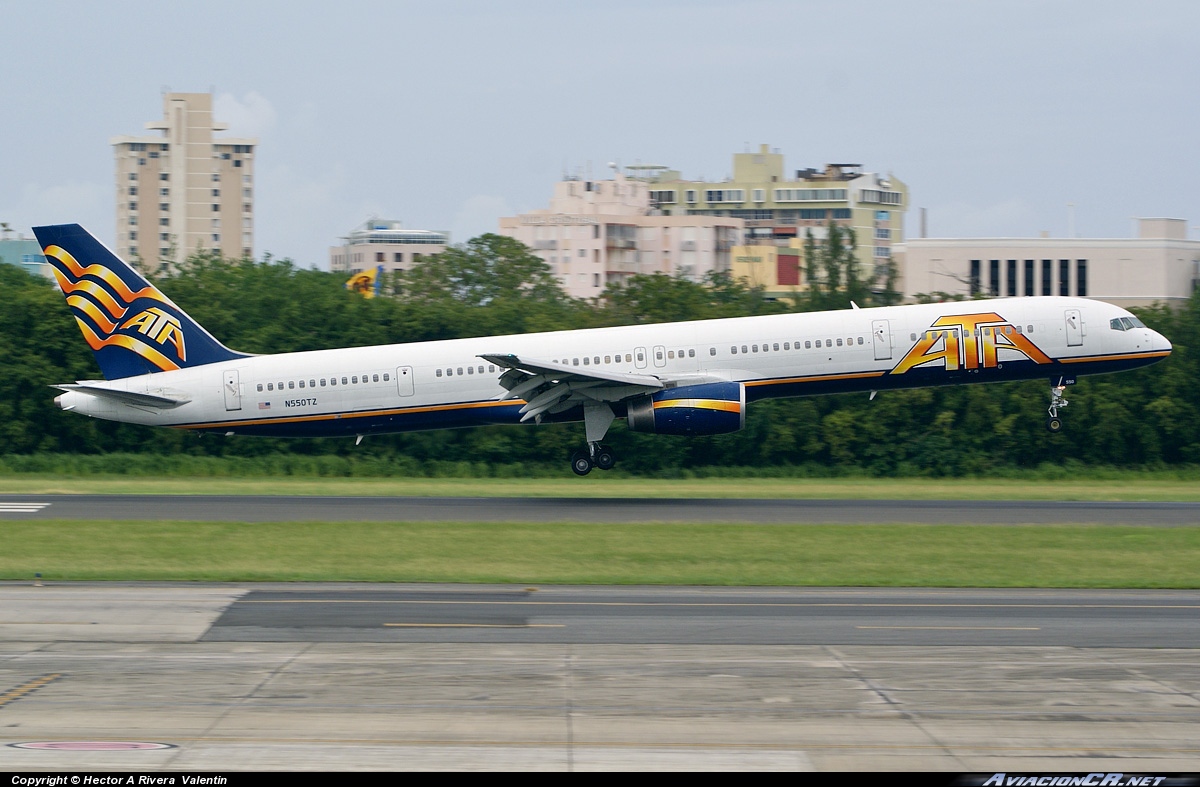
(712, 350)
(333, 381)
(691, 353)
(608, 359)
(585, 360)
(754, 348)
(438, 372)
(459, 373)
(629, 358)
(829, 342)
(839, 342)
(574, 361)
(301, 383)
(641, 357)
(270, 386)
(1028, 329)
(491, 368)
(387, 377)
(860, 340)
(596, 360)
(658, 355)
(291, 384)
(808, 345)
(1018, 329)
(281, 386)
(775, 346)
(354, 379)
(343, 381)
(260, 386)
(671, 354)
(787, 345)
(470, 370)
(912, 337)
(322, 382)
(311, 384)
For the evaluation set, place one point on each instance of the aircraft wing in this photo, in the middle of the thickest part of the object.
(550, 387)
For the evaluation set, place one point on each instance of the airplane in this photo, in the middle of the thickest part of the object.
(161, 368)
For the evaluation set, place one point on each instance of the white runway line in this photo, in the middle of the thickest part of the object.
(22, 508)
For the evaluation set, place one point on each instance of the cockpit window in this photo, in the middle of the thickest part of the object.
(1136, 322)
(1116, 324)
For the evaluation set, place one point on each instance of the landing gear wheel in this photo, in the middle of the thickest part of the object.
(605, 458)
(1054, 424)
(581, 463)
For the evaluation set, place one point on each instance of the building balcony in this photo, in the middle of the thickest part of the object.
(545, 244)
(620, 243)
(687, 245)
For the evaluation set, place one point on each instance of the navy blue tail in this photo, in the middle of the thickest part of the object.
(132, 327)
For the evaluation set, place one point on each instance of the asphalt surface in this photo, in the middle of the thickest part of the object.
(190, 676)
(269, 508)
(711, 616)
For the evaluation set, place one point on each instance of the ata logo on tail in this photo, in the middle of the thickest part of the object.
(971, 342)
(100, 300)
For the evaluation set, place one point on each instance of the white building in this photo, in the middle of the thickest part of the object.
(1160, 265)
(383, 242)
(599, 232)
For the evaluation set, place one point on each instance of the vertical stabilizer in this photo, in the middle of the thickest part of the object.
(131, 327)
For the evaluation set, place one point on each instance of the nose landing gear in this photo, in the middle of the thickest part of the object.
(1054, 423)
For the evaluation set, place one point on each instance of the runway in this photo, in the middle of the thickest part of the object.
(269, 508)
(302, 676)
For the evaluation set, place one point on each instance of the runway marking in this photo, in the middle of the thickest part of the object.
(26, 688)
(22, 508)
(717, 604)
(957, 628)
(477, 625)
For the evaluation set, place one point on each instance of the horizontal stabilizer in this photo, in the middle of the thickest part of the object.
(126, 397)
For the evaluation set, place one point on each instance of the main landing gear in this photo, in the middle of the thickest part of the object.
(1054, 424)
(596, 418)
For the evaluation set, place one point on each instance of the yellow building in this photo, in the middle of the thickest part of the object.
(779, 210)
(777, 270)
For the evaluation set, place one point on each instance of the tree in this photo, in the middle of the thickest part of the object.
(835, 277)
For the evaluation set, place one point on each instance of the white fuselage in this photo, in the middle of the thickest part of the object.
(445, 383)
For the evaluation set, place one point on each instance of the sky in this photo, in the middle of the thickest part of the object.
(449, 115)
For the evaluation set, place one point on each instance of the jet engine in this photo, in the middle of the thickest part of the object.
(710, 408)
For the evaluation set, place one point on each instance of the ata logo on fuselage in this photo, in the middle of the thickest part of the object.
(159, 326)
(970, 342)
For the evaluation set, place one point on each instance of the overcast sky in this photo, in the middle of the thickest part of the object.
(447, 115)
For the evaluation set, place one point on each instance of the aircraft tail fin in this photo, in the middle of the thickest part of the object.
(131, 327)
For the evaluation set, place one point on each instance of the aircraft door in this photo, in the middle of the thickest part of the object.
(881, 337)
(660, 355)
(1074, 328)
(639, 357)
(233, 390)
(404, 380)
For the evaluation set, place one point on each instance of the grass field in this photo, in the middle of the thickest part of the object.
(677, 554)
(1129, 487)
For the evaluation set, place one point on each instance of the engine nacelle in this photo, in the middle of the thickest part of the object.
(711, 408)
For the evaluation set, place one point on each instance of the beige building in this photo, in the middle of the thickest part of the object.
(781, 209)
(184, 190)
(601, 232)
(1160, 265)
(381, 242)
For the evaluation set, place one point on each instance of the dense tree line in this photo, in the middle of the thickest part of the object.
(493, 285)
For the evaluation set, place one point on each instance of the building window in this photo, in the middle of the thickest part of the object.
(399, 256)
(133, 176)
(883, 234)
(164, 207)
(164, 192)
(993, 277)
(1047, 276)
(1064, 277)
(237, 163)
(133, 191)
(1081, 288)
(164, 222)
(883, 215)
(379, 256)
(1029, 277)
(1011, 288)
(164, 176)
(813, 214)
(841, 213)
(216, 193)
(691, 196)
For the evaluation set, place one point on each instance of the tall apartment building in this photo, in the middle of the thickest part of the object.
(383, 242)
(184, 190)
(780, 210)
(601, 232)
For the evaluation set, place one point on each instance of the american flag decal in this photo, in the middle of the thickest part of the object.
(264, 405)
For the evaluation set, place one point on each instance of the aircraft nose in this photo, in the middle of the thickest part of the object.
(1161, 342)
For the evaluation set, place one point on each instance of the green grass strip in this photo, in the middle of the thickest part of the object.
(1134, 487)
(1077, 556)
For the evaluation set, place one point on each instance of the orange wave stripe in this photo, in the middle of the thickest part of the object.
(89, 308)
(91, 288)
(129, 343)
(1125, 357)
(99, 271)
